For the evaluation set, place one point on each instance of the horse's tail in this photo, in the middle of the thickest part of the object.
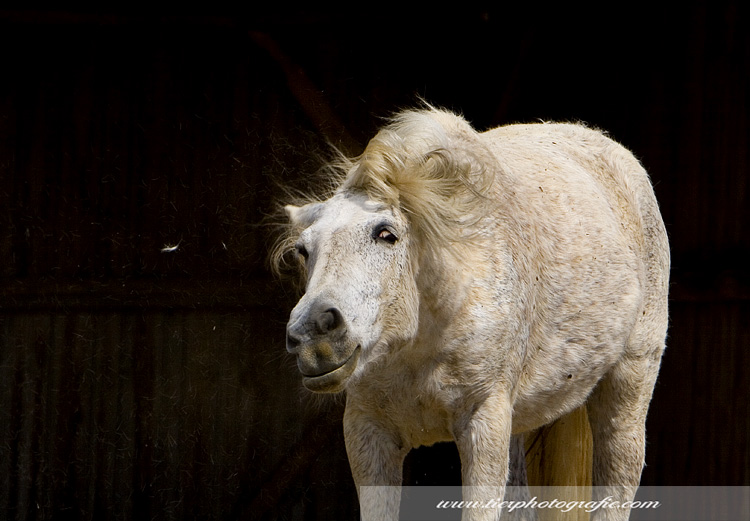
(559, 459)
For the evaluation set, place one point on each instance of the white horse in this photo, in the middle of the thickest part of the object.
(475, 286)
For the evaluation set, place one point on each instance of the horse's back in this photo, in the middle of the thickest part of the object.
(573, 164)
(597, 259)
(630, 198)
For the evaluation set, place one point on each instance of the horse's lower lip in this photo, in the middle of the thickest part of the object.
(333, 381)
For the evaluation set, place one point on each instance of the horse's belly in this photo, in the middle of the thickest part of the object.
(532, 412)
(559, 380)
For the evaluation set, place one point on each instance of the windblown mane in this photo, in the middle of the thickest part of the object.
(430, 164)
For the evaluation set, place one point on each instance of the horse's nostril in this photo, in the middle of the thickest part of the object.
(329, 320)
(292, 342)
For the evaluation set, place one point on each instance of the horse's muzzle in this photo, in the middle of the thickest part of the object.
(326, 357)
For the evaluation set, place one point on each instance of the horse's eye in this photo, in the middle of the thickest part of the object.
(384, 234)
(301, 251)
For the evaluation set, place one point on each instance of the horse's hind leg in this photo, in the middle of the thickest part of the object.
(517, 489)
(617, 412)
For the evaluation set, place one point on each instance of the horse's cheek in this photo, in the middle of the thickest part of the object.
(403, 302)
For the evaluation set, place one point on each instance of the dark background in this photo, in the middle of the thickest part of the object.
(142, 384)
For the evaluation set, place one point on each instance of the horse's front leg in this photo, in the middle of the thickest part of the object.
(376, 460)
(483, 440)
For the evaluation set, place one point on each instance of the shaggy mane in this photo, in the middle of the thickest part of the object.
(428, 163)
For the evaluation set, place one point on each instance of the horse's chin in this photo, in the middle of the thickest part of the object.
(335, 380)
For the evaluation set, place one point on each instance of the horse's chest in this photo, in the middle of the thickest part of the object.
(422, 419)
(427, 427)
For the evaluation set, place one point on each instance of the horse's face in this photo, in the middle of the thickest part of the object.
(360, 289)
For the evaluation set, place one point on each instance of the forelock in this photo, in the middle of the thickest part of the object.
(432, 166)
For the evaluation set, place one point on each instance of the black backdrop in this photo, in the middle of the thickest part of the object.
(140, 380)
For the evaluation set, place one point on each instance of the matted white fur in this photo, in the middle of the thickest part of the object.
(475, 286)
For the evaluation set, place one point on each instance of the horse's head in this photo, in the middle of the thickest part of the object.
(360, 287)
(361, 252)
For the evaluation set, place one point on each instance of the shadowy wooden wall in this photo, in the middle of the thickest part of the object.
(142, 367)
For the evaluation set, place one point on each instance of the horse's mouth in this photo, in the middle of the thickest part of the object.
(333, 381)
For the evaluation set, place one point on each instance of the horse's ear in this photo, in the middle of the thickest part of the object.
(302, 215)
(292, 212)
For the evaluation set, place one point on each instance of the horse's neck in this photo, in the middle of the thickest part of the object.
(443, 282)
